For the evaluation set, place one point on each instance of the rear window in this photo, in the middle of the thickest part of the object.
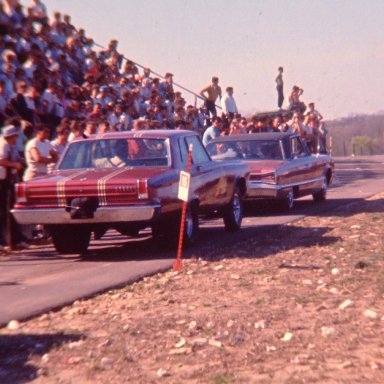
(117, 153)
(246, 149)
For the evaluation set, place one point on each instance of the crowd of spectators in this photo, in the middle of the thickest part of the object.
(51, 73)
(56, 84)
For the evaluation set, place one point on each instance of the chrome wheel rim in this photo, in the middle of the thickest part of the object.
(189, 225)
(236, 208)
(290, 199)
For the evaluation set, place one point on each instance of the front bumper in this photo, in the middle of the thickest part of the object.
(259, 190)
(146, 213)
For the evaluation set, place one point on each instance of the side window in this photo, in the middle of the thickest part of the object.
(183, 151)
(199, 153)
(297, 148)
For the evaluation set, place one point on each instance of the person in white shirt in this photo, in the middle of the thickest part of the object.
(59, 144)
(118, 120)
(228, 104)
(38, 154)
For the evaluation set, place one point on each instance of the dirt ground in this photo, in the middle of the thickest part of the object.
(300, 304)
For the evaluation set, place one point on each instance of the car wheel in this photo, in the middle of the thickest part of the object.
(233, 213)
(287, 203)
(191, 225)
(167, 233)
(70, 239)
(321, 195)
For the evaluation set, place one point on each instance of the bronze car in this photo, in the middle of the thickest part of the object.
(281, 167)
(129, 181)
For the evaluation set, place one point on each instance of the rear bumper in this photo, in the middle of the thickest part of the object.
(146, 213)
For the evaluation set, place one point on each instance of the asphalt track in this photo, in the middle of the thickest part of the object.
(38, 280)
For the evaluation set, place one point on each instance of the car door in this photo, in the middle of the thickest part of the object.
(303, 167)
(208, 180)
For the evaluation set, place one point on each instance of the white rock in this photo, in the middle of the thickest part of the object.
(370, 314)
(192, 325)
(162, 372)
(107, 361)
(218, 267)
(13, 324)
(287, 337)
(335, 271)
(235, 277)
(180, 351)
(345, 304)
(307, 282)
(230, 323)
(180, 343)
(327, 331)
(215, 343)
(45, 358)
(271, 348)
(262, 324)
(210, 324)
(200, 341)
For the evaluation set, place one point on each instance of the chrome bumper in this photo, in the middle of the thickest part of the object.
(102, 215)
(258, 190)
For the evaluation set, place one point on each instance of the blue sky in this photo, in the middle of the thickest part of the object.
(333, 49)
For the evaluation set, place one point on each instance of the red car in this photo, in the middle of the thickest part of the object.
(129, 181)
(281, 167)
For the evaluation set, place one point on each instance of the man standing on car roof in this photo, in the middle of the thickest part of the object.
(280, 87)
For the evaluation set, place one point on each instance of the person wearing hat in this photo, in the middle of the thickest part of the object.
(10, 164)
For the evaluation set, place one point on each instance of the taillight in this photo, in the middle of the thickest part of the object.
(142, 188)
(21, 192)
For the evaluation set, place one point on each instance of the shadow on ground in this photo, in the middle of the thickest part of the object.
(17, 350)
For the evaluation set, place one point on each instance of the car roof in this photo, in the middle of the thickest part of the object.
(254, 136)
(149, 134)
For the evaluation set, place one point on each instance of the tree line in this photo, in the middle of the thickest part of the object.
(358, 135)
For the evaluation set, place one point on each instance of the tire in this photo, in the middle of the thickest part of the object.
(70, 239)
(288, 202)
(320, 196)
(233, 213)
(167, 233)
(191, 226)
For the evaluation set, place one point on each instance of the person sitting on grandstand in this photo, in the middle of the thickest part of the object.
(166, 86)
(119, 120)
(103, 97)
(228, 104)
(294, 99)
(38, 11)
(210, 93)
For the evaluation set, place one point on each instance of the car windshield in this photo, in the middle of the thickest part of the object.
(246, 149)
(116, 153)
